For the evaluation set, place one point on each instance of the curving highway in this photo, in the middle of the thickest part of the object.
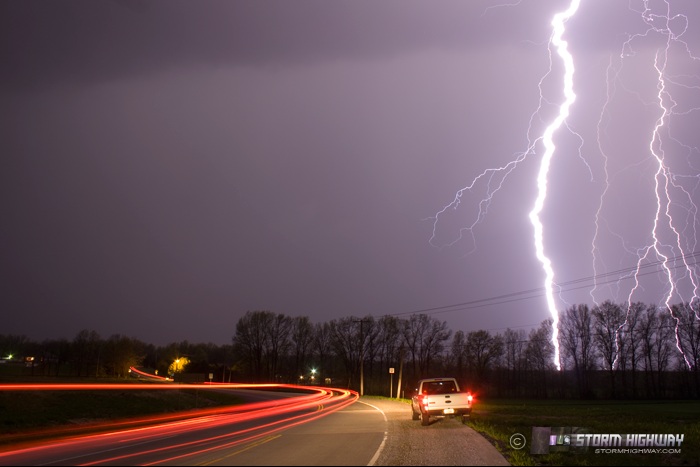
(324, 427)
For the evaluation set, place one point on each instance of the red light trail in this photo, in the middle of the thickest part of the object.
(169, 438)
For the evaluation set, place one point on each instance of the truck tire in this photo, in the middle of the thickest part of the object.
(416, 416)
(464, 418)
(424, 419)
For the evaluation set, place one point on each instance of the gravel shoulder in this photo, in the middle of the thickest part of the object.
(445, 442)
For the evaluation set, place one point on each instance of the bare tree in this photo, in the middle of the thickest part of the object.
(302, 336)
(482, 351)
(85, 353)
(278, 344)
(576, 340)
(688, 334)
(121, 353)
(388, 342)
(457, 354)
(514, 361)
(539, 354)
(251, 341)
(54, 353)
(656, 336)
(346, 343)
(646, 337)
(323, 348)
(389, 338)
(434, 343)
(425, 339)
(665, 336)
(370, 353)
(631, 343)
(609, 320)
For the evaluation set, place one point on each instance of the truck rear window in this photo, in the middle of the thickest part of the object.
(439, 387)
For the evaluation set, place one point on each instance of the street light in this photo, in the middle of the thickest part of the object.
(178, 366)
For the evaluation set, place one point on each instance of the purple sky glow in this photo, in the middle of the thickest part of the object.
(169, 165)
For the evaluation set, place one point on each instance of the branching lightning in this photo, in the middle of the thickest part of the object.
(495, 177)
(558, 23)
(664, 186)
(673, 229)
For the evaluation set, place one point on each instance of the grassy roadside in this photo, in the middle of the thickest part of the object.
(499, 420)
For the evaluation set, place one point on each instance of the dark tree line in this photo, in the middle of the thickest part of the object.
(89, 355)
(633, 350)
(607, 351)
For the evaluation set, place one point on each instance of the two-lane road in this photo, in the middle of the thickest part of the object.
(200, 439)
(335, 428)
(353, 435)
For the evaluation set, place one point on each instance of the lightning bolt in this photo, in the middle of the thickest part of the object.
(672, 238)
(558, 24)
(494, 178)
(667, 243)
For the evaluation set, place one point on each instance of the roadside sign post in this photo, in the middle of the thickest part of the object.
(211, 377)
(391, 383)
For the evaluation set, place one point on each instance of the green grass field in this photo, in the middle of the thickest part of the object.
(498, 420)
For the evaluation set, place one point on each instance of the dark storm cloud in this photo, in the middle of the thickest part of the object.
(168, 165)
(85, 41)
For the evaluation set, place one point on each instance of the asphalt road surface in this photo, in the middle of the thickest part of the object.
(445, 442)
(338, 430)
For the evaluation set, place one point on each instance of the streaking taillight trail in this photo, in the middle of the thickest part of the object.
(167, 438)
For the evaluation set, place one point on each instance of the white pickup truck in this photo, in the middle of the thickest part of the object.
(440, 397)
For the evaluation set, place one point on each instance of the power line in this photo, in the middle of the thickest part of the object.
(562, 286)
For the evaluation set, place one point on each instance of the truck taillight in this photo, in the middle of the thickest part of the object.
(470, 398)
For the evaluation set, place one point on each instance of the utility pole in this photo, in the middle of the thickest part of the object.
(398, 389)
(362, 355)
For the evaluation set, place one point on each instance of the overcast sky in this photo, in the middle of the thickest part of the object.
(169, 165)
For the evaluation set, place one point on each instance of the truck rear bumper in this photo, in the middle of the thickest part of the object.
(449, 411)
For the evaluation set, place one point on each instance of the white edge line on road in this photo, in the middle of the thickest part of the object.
(386, 433)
